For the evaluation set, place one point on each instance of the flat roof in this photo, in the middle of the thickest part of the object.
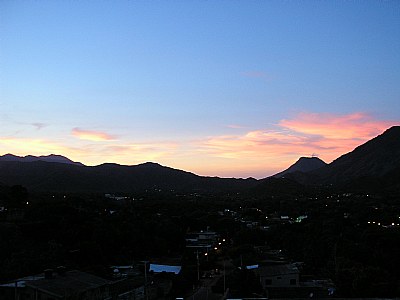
(70, 282)
(276, 270)
(165, 268)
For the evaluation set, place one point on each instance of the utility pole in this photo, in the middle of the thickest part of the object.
(198, 266)
(224, 277)
(145, 279)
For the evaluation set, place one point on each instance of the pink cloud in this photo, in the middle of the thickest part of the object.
(329, 135)
(235, 126)
(91, 135)
(359, 126)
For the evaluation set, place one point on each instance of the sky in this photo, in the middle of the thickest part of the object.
(218, 88)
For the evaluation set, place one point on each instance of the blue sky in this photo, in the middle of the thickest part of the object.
(228, 88)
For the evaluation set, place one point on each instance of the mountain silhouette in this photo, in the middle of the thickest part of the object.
(304, 164)
(47, 158)
(377, 161)
(369, 162)
(374, 158)
(42, 175)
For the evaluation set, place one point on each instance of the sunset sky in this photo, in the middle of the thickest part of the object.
(219, 88)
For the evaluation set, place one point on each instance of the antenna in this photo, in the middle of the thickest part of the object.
(314, 155)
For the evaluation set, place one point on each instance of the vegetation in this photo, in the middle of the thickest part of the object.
(352, 238)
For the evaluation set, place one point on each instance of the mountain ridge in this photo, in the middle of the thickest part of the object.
(303, 164)
(52, 158)
(374, 159)
(44, 176)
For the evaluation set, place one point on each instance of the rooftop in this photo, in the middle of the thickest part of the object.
(70, 282)
(276, 270)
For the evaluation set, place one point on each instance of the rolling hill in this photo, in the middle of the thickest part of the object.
(61, 177)
(377, 161)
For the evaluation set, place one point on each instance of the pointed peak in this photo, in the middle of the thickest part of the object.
(303, 164)
(309, 158)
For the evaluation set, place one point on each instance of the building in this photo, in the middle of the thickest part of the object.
(69, 285)
(280, 275)
(283, 281)
(201, 240)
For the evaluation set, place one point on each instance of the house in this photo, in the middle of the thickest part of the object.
(280, 275)
(283, 281)
(201, 240)
(69, 285)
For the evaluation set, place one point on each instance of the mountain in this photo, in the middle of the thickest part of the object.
(42, 175)
(47, 158)
(304, 164)
(273, 186)
(377, 161)
(374, 162)
(374, 158)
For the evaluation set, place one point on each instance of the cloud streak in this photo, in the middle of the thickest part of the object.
(329, 135)
(360, 126)
(38, 125)
(258, 153)
(36, 146)
(91, 135)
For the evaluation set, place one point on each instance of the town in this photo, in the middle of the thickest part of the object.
(160, 244)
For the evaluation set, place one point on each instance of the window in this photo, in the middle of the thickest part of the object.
(292, 281)
(268, 281)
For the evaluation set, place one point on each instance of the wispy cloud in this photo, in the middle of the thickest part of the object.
(359, 126)
(92, 153)
(235, 126)
(328, 135)
(259, 152)
(39, 126)
(91, 135)
(129, 152)
(36, 146)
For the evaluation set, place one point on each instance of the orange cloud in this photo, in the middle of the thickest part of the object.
(235, 126)
(91, 135)
(36, 146)
(256, 153)
(352, 126)
(92, 153)
(328, 135)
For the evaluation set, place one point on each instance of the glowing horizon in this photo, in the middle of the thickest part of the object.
(224, 88)
(255, 153)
